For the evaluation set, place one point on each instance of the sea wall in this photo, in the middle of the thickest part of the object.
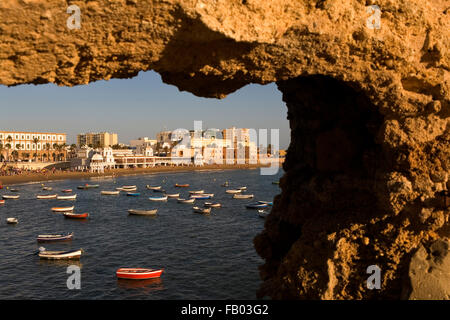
(368, 100)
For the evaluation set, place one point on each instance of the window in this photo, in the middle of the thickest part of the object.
(17, 137)
(28, 137)
(53, 137)
(43, 137)
(28, 146)
(22, 137)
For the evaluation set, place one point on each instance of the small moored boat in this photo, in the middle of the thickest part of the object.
(143, 212)
(243, 196)
(73, 197)
(181, 185)
(88, 186)
(110, 193)
(2, 201)
(256, 205)
(63, 209)
(133, 194)
(172, 195)
(66, 191)
(138, 273)
(153, 188)
(266, 202)
(202, 196)
(54, 237)
(233, 191)
(10, 197)
(201, 210)
(226, 184)
(196, 192)
(49, 196)
(12, 220)
(76, 215)
(14, 190)
(47, 188)
(57, 255)
(262, 214)
(212, 205)
(164, 198)
(242, 188)
(186, 200)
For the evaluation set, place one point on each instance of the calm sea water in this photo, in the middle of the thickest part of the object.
(204, 257)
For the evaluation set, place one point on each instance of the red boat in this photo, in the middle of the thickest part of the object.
(67, 190)
(2, 201)
(76, 215)
(181, 185)
(138, 273)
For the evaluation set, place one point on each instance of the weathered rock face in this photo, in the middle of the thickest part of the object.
(369, 161)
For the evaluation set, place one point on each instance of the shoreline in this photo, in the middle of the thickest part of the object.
(40, 177)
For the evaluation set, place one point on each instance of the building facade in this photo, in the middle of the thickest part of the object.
(97, 140)
(22, 145)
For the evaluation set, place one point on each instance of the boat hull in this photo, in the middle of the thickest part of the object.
(52, 196)
(142, 212)
(76, 215)
(138, 273)
(61, 209)
(59, 255)
(54, 238)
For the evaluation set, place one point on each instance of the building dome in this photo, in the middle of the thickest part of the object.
(97, 157)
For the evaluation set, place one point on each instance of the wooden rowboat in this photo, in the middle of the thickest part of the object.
(10, 197)
(158, 198)
(76, 215)
(256, 205)
(212, 205)
(173, 195)
(138, 273)
(266, 202)
(202, 196)
(153, 188)
(63, 209)
(202, 211)
(2, 201)
(233, 191)
(186, 200)
(12, 220)
(73, 197)
(66, 190)
(57, 255)
(181, 185)
(14, 190)
(50, 196)
(88, 186)
(197, 192)
(110, 193)
(54, 237)
(262, 214)
(143, 212)
(47, 188)
(243, 196)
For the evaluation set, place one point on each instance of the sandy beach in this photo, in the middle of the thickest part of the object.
(62, 175)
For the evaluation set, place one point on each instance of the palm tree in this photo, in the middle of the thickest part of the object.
(47, 147)
(1, 152)
(15, 155)
(8, 145)
(35, 141)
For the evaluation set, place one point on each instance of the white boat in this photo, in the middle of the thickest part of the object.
(164, 198)
(212, 205)
(73, 197)
(186, 200)
(129, 187)
(47, 188)
(110, 193)
(12, 220)
(243, 196)
(201, 210)
(202, 196)
(56, 255)
(126, 189)
(10, 197)
(50, 196)
(196, 192)
(262, 214)
(233, 191)
(153, 188)
(63, 209)
(242, 188)
(143, 212)
(172, 195)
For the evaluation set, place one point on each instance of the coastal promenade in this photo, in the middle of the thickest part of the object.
(61, 175)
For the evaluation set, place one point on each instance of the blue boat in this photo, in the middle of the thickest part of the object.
(201, 196)
(256, 205)
(270, 203)
(131, 194)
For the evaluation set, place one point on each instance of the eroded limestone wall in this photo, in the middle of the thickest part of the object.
(368, 102)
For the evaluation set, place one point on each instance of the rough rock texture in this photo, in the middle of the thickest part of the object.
(429, 272)
(368, 166)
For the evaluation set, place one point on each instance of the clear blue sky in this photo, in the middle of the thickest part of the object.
(138, 107)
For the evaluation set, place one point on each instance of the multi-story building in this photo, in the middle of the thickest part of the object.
(45, 146)
(97, 140)
(240, 146)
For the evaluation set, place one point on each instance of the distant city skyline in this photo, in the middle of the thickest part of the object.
(137, 107)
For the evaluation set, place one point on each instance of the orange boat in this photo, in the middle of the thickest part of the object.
(181, 185)
(2, 201)
(138, 273)
(76, 215)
